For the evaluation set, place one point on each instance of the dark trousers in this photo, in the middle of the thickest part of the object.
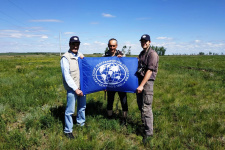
(123, 100)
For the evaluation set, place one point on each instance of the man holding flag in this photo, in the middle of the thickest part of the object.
(112, 45)
(147, 71)
(71, 82)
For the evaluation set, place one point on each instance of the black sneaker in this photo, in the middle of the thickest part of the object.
(124, 122)
(69, 135)
(110, 117)
(146, 138)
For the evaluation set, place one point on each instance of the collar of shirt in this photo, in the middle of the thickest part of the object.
(75, 55)
(108, 53)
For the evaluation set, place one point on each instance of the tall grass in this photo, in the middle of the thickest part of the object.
(188, 107)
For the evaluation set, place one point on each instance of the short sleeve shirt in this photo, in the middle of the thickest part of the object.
(150, 59)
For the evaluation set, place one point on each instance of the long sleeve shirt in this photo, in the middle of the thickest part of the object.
(66, 72)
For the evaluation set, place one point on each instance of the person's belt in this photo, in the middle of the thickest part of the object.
(151, 80)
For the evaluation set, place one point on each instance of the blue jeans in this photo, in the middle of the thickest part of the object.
(70, 109)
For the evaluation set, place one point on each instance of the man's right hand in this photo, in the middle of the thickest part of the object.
(81, 56)
(79, 92)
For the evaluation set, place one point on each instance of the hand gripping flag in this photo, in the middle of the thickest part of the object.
(108, 73)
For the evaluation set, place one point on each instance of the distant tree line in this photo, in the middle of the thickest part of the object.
(159, 50)
(210, 53)
(127, 50)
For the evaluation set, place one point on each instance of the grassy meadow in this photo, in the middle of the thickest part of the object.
(188, 107)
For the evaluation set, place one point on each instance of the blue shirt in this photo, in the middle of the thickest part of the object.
(65, 67)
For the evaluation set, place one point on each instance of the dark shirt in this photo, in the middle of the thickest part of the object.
(108, 53)
(150, 62)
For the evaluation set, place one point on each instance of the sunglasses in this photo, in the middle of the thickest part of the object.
(112, 45)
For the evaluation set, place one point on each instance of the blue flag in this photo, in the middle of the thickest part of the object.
(108, 73)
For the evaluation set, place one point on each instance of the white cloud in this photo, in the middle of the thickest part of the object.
(164, 38)
(219, 45)
(161, 38)
(192, 47)
(197, 41)
(10, 33)
(44, 37)
(33, 29)
(93, 47)
(19, 34)
(135, 47)
(86, 44)
(172, 47)
(69, 32)
(23, 42)
(16, 35)
(209, 44)
(107, 15)
(9, 30)
(99, 43)
(46, 20)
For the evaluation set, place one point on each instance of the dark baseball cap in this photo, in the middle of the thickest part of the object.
(74, 39)
(145, 37)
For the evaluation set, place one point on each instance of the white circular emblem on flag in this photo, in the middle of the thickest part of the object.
(110, 73)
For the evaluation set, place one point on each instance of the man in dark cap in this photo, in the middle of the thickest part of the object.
(71, 82)
(147, 70)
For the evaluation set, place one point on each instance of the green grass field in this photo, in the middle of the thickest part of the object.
(188, 107)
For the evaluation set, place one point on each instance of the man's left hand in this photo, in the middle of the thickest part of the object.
(81, 56)
(140, 89)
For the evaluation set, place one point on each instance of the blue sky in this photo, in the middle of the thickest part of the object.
(181, 26)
